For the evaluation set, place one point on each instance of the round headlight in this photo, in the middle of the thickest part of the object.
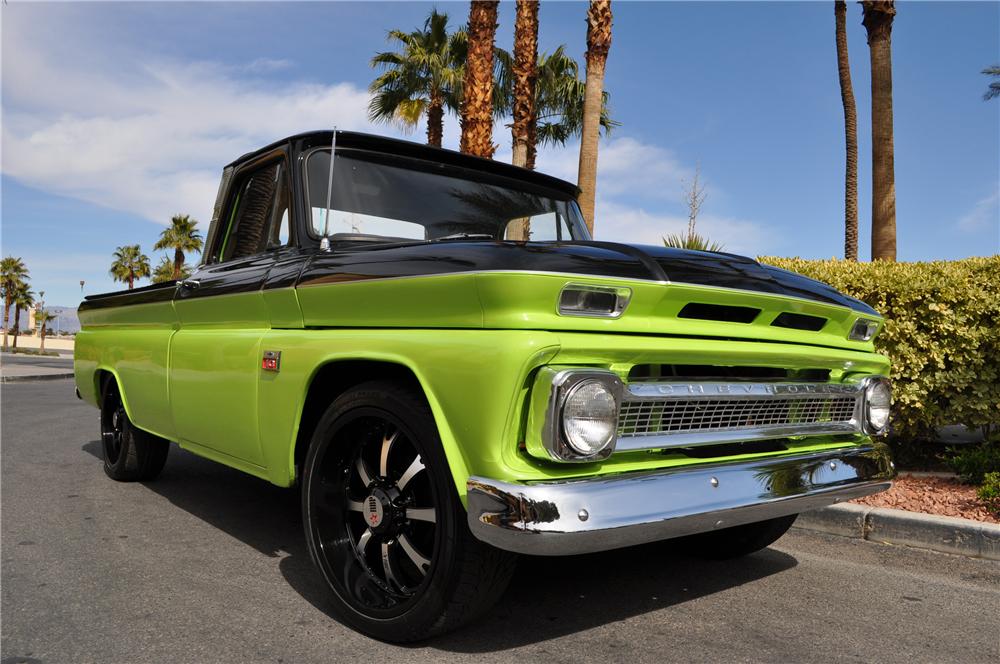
(590, 417)
(878, 397)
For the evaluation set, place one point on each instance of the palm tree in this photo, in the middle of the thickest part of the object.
(129, 264)
(850, 134)
(165, 271)
(525, 75)
(477, 83)
(12, 273)
(424, 76)
(24, 298)
(43, 318)
(993, 91)
(559, 98)
(878, 16)
(598, 45)
(183, 237)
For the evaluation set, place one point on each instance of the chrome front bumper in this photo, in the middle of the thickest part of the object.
(608, 512)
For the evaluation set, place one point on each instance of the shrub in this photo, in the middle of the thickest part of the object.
(942, 333)
(972, 462)
(989, 492)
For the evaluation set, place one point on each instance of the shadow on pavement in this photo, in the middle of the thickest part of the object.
(548, 597)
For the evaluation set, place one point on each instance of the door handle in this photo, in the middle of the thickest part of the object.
(190, 284)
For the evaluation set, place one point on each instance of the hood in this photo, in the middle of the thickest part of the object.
(595, 259)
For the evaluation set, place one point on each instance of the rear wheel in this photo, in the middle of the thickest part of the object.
(384, 524)
(130, 454)
(737, 541)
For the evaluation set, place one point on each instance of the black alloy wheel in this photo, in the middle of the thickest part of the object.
(130, 454)
(384, 524)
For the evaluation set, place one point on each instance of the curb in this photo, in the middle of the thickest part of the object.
(963, 537)
(30, 377)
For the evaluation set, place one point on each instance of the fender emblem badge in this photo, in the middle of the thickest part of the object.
(271, 361)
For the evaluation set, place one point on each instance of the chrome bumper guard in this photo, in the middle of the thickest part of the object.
(608, 512)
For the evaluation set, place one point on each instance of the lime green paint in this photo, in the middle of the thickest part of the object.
(190, 370)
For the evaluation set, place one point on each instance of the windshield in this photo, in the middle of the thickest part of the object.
(373, 200)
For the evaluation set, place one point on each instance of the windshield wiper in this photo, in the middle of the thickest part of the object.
(464, 236)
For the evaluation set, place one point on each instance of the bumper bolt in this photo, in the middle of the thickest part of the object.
(833, 465)
(583, 515)
(714, 482)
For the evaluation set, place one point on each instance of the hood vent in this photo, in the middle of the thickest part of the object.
(799, 322)
(718, 312)
(698, 372)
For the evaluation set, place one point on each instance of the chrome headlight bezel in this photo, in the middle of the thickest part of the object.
(545, 436)
(868, 386)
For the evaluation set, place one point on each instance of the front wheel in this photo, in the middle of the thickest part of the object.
(737, 541)
(384, 524)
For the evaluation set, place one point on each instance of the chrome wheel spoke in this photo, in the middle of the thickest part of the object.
(355, 505)
(411, 552)
(421, 514)
(363, 473)
(387, 441)
(363, 542)
(388, 565)
(415, 467)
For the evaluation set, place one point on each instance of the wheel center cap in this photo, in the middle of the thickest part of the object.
(374, 511)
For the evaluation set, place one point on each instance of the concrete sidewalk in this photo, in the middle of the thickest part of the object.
(15, 367)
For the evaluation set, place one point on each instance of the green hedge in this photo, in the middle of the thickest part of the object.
(942, 334)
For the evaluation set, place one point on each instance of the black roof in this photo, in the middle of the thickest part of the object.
(395, 146)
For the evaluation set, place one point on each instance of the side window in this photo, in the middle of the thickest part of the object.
(542, 227)
(259, 214)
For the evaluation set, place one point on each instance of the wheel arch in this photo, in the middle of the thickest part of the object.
(335, 376)
(102, 375)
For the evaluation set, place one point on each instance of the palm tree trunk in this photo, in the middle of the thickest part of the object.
(850, 135)
(525, 77)
(6, 312)
(598, 45)
(435, 120)
(131, 279)
(878, 16)
(17, 325)
(178, 263)
(43, 339)
(477, 96)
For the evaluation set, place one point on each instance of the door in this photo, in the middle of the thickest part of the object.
(215, 356)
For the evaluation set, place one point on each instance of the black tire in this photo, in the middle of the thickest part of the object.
(130, 454)
(430, 575)
(737, 541)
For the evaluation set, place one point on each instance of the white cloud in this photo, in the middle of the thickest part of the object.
(120, 127)
(148, 137)
(984, 214)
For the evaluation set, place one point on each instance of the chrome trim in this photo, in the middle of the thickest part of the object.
(867, 383)
(665, 392)
(546, 518)
(734, 390)
(623, 295)
(543, 437)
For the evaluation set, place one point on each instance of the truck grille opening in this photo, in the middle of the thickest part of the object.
(672, 416)
(658, 372)
(718, 312)
(799, 322)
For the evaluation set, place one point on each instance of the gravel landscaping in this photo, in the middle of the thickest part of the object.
(944, 496)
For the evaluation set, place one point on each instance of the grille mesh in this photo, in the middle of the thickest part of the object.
(649, 418)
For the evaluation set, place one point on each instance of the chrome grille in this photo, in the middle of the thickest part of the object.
(646, 418)
(668, 415)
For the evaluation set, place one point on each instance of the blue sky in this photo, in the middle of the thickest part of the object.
(116, 116)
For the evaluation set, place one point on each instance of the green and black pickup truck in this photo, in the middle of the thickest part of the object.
(434, 350)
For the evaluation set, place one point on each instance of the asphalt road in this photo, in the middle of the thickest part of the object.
(208, 565)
